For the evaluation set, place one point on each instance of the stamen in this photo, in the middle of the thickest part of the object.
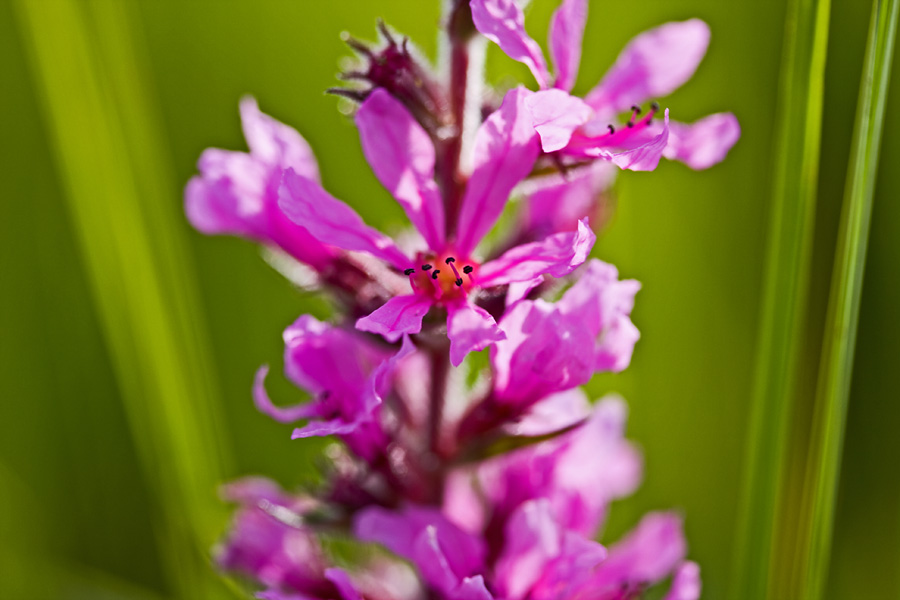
(450, 262)
(409, 271)
(654, 106)
(459, 281)
(450, 259)
(635, 111)
(434, 275)
(612, 129)
(426, 267)
(468, 269)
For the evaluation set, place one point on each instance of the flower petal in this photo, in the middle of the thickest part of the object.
(503, 22)
(566, 33)
(559, 202)
(703, 143)
(556, 115)
(652, 65)
(402, 156)
(644, 157)
(470, 328)
(686, 583)
(648, 554)
(398, 316)
(342, 582)
(286, 414)
(557, 255)
(506, 147)
(331, 221)
(275, 143)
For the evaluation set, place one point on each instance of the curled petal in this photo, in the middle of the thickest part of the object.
(556, 115)
(703, 143)
(503, 22)
(402, 156)
(398, 316)
(331, 221)
(566, 33)
(275, 143)
(652, 65)
(379, 382)
(557, 255)
(470, 328)
(686, 583)
(342, 582)
(287, 414)
(644, 157)
(506, 147)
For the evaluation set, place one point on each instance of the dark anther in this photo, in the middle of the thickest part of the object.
(636, 108)
(612, 129)
(654, 106)
(409, 271)
(450, 259)
(468, 269)
(459, 282)
(435, 273)
(630, 124)
(426, 267)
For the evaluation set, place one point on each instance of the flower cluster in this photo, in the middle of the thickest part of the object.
(473, 482)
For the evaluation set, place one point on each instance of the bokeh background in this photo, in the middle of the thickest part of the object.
(128, 342)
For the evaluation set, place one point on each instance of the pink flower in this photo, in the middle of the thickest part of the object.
(553, 347)
(348, 375)
(446, 274)
(237, 192)
(652, 65)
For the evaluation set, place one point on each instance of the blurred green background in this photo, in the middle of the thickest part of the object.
(128, 342)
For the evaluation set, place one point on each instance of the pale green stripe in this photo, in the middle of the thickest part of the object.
(836, 367)
(125, 206)
(785, 292)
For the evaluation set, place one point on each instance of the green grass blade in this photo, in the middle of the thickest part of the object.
(125, 208)
(836, 367)
(784, 293)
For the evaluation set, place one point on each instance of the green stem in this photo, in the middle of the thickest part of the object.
(836, 366)
(785, 293)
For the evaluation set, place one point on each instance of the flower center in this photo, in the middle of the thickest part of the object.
(442, 277)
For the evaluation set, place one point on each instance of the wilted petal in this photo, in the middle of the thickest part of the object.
(686, 583)
(652, 65)
(556, 115)
(557, 255)
(644, 157)
(503, 22)
(470, 328)
(402, 156)
(282, 414)
(331, 221)
(648, 554)
(566, 33)
(398, 316)
(275, 143)
(703, 143)
(506, 147)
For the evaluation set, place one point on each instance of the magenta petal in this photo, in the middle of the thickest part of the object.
(286, 414)
(566, 33)
(331, 221)
(652, 65)
(506, 147)
(402, 156)
(471, 588)
(379, 382)
(325, 428)
(398, 316)
(642, 158)
(470, 328)
(532, 540)
(556, 115)
(503, 22)
(275, 143)
(703, 143)
(648, 554)
(557, 255)
(560, 202)
(342, 582)
(686, 583)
